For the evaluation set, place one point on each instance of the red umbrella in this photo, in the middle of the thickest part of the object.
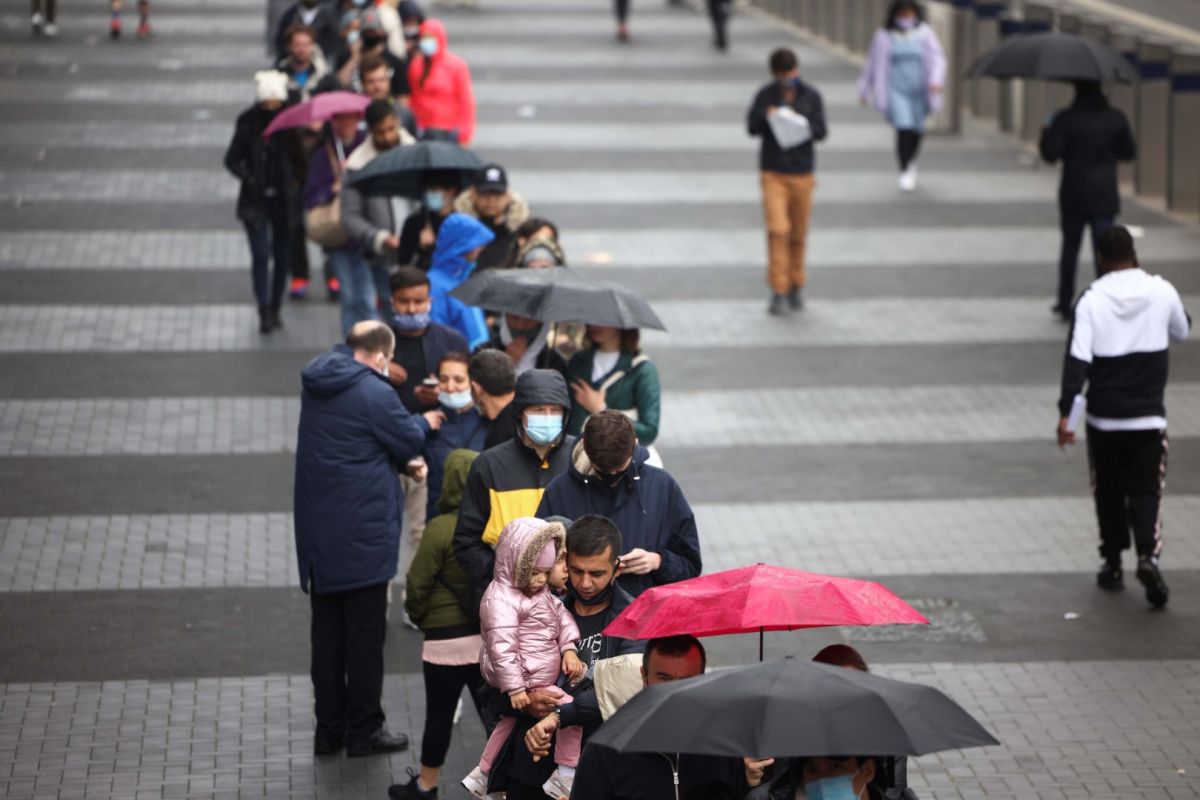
(322, 107)
(760, 598)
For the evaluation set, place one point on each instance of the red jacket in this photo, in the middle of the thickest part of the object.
(444, 99)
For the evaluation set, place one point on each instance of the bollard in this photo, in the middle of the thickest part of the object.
(1010, 107)
(1154, 119)
(860, 18)
(828, 18)
(1183, 181)
(985, 34)
(1123, 96)
(1039, 96)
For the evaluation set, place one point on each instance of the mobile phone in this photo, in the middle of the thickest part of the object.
(430, 382)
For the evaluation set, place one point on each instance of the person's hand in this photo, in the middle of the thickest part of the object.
(589, 399)
(392, 242)
(539, 737)
(1065, 437)
(640, 562)
(541, 703)
(417, 469)
(520, 700)
(435, 419)
(426, 395)
(754, 769)
(516, 348)
(428, 237)
(772, 110)
(573, 667)
(396, 373)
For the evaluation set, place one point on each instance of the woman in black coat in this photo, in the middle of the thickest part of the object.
(1090, 137)
(269, 198)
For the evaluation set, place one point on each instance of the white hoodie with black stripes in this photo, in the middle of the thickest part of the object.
(1122, 326)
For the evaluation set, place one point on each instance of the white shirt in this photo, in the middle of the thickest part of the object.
(603, 363)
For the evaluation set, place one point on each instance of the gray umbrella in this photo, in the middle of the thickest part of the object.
(557, 294)
(791, 708)
(1053, 57)
(402, 170)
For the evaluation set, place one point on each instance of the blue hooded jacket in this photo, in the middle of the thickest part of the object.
(355, 436)
(459, 235)
(648, 507)
(461, 431)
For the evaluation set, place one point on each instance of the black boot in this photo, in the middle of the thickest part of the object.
(276, 320)
(264, 319)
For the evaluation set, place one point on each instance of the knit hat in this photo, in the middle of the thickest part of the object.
(547, 557)
(270, 84)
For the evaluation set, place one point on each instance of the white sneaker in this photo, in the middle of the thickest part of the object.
(36, 23)
(51, 30)
(907, 182)
(559, 785)
(476, 784)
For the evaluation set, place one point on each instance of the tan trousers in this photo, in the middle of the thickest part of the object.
(787, 205)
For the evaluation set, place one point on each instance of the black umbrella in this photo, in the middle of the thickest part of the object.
(402, 170)
(1053, 57)
(557, 294)
(791, 708)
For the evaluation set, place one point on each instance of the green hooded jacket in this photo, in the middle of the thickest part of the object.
(430, 604)
(631, 388)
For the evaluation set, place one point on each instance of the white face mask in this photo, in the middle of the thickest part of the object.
(429, 46)
(383, 366)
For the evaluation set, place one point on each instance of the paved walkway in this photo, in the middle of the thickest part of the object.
(154, 643)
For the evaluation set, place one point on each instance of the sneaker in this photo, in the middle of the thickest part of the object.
(907, 182)
(795, 299)
(1109, 578)
(114, 29)
(411, 790)
(777, 308)
(1152, 579)
(476, 783)
(333, 289)
(143, 31)
(36, 22)
(622, 32)
(51, 30)
(559, 785)
(298, 290)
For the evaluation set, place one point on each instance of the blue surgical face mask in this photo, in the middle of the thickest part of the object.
(435, 201)
(906, 23)
(429, 46)
(455, 400)
(840, 787)
(411, 322)
(543, 429)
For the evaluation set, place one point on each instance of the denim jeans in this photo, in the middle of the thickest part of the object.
(270, 237)
(382, 276)
(1072, 239)
(357, 292)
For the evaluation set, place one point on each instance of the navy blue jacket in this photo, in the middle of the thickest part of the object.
(354, 438)
(465, 431)
(647, 505)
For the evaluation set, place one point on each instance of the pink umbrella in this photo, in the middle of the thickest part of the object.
(757, 599)
(320, 108)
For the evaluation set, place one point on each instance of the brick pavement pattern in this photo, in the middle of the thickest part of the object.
(895, 429)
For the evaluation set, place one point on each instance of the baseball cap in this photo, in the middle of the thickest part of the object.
(492, 178)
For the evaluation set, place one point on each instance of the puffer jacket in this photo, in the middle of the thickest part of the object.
(443, 99)
(524, 637)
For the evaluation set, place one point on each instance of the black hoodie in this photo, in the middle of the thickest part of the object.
(1089, 137)
(507, 481)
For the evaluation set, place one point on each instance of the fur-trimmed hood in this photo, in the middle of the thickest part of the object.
(514, 216)
(521, 541)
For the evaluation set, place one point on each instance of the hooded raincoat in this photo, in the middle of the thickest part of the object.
(646, 504)
(353, 440)
(508, 480)
(458, 236)
(442, 97)
(524, 637)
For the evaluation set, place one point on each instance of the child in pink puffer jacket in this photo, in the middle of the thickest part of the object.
(529, 638)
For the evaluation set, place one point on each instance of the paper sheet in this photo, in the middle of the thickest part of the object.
(790, 128)
(1078, 406)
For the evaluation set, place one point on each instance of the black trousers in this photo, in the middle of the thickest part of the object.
(621, 9)
(718, 12)
(1128, 471)
(348, 630)
(1073, 225)
(443, 687)
(908, 144)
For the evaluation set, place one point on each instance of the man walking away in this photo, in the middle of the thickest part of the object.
(354, 437)
(1089, 137)
(787, 177)
(1118, 346)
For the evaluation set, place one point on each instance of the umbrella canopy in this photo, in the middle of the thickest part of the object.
(320, 108)
(1053, 57)
(791, 708)
(401, 170)
(760, 598)
(557, 294)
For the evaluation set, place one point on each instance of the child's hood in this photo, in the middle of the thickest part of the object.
(521, 541)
